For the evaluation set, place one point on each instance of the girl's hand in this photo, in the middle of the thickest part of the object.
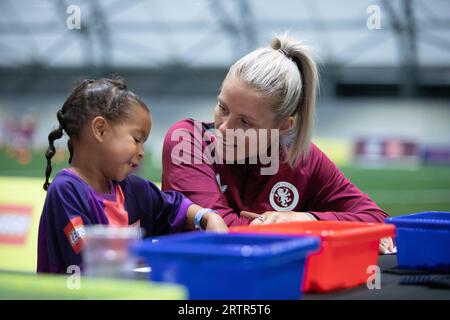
(387, 246)
(269, 217)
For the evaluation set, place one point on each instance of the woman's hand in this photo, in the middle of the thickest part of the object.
(387, 246)
(214, 222)
(269, 217)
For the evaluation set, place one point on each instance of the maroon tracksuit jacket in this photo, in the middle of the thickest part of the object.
(316, 185)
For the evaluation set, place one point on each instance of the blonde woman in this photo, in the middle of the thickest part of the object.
(271, 93)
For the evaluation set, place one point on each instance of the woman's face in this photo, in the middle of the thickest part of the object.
(240, 107)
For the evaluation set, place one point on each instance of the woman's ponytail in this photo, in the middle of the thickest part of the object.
(304, 109)
(286, 73)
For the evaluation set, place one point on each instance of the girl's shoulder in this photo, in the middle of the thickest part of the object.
(66, 181)
(136, 183)
(138, 189)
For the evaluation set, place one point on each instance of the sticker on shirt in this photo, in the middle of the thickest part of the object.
(284, 196)
(74, 231)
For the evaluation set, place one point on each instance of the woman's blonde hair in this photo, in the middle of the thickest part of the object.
(286, 73)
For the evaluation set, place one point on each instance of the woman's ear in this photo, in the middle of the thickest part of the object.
(98, 128)
(286, 125)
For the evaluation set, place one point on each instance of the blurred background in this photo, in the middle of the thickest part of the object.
(382, 115)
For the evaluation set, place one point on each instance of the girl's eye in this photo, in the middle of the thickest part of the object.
(136, 140)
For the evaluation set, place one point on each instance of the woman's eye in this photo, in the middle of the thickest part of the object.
(222, 109)
(136, 140)
(245, 123)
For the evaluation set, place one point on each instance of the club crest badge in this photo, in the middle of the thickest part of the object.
(284, 196)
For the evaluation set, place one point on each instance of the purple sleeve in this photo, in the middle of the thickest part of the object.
(161, 212)
(61, 226)
(334, 197)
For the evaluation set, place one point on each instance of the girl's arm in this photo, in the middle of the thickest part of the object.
(210, 221)
(163, 212)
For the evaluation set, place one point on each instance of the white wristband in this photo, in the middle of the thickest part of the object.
(199, 215)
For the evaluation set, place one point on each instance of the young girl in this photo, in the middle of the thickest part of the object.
(107, 126)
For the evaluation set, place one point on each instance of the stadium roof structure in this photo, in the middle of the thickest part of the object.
(411, 40)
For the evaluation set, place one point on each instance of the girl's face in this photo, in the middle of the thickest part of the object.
(241, 107)
(122, 147)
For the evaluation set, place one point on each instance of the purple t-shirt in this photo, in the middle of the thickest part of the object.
(71, 204)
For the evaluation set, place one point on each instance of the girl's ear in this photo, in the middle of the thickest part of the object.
(98, 128)
(286, 125)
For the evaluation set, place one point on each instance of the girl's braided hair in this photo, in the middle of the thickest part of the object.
(106, 97)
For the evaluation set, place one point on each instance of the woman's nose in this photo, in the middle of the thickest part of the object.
(226, 124)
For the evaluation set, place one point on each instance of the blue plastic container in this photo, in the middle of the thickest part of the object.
(230, 266)
(423, 240)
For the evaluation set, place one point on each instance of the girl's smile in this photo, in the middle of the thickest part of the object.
(124, 144)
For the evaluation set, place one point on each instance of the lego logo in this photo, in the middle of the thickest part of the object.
(76, 234)
(74, 231)
(14, 223)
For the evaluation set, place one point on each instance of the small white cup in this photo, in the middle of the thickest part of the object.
(106, 251)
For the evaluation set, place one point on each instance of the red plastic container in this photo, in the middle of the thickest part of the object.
(346, 251)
